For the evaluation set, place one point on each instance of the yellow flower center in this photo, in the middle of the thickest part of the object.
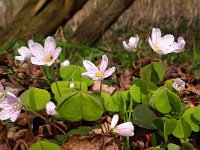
(48, 58)
(16, 105)
(2, 95)
(135, 50)
(156, 48)
(99, 75)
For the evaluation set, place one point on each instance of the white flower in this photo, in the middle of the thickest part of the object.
(65, 63)
(5, 94)
(50, 108)
(179, 46)
(114, 121)
(25, 52)
(132, 45)
(10, 107)
(124, 129)
(71, 85)
(2, 92)
(45, 55)
(97, 74)
(178, 84)
(161, 45)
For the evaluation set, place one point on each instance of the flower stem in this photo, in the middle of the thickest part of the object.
(140, 64)
(100, 89)
(59, 93)
(42, 117)
(130, 109)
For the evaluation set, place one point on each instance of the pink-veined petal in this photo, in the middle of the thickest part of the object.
(108, 72)
(37, 50)
(114, 121)
(125, 129)
(14, 116)
(90, 67)
(6, 113)
(24, 51)
(49, 44)
(56, 53)
(155, 35)
(89, 75)
(104, 63)
(37, 61)
(166, 41)
(1, 88)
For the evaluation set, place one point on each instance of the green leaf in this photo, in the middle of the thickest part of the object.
(169, 126)
(172, 146)
(175, 102)
(196, 113)
(160, 101)
(81, 106)
(187, 116)
(160, 70)
(74, 73)
(63, 87)
(168, 84)
(139, 90)
(153, 72)
(165, 101)
(35, 98)
(159, 123)
(44, 145)
(144, 121)
(186, 145)
(109, 103)
(182, 130)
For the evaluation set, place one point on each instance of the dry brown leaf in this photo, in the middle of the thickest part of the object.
(98, 142)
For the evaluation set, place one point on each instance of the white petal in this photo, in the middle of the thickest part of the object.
(20, 58)
(56, 53)
(37, 50)
(104, 63)
(133, 42)
(37, 61)
(166, 41)
(14, 116)
(30, 42)
(126, 46)
(108, 72)
(6, 113)
(114, 121)
(155, 35)
(24, 51)
(89, 75)
(90, 67)
(49, 44)
(65, 63)
(50, 108)
(1, 88)
(125, 129)
(151, 43)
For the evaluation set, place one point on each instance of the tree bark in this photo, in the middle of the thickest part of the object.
(28, 23)
(93, 27)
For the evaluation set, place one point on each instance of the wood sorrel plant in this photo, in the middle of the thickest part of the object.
(146, 105)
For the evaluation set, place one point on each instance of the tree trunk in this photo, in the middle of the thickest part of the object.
(40, 22)
(93, 27)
